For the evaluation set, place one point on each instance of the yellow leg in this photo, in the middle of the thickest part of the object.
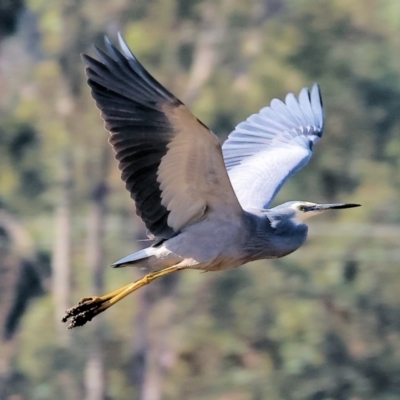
(88, 307)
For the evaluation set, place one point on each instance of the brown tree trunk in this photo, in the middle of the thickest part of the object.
(95, 377)
(152, 347)
(160, 354)
(73, 28)
(62, 250)
(206, 55)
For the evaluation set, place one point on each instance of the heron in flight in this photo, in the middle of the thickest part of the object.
(206, 206)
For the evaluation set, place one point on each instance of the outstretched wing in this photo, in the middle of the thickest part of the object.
(264, 151)
(171, 163)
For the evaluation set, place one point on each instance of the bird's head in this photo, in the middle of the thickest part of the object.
(302, 210)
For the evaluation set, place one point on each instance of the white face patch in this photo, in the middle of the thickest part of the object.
(301, 216)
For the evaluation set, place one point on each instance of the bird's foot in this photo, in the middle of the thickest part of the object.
(86, 309)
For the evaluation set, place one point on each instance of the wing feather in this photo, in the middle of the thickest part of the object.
(264, 151)
(171, 163)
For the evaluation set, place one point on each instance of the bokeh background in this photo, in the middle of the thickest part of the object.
(322, 323)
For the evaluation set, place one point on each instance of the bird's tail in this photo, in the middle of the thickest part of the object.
(132, 259)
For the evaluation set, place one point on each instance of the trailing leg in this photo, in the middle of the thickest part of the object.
(88, 307)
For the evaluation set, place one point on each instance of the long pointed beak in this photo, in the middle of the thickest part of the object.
(335, 206)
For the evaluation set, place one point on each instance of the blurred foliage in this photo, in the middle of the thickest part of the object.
(23, 178)
(9, 12)
(323, 323)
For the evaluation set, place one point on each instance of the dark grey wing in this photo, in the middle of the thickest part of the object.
(171, 163)
(264, 151)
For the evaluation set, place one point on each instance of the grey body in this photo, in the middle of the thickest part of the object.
(230, 243)
(206, 206)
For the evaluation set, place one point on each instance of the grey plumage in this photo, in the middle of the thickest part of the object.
(145, 121)
(206, 206)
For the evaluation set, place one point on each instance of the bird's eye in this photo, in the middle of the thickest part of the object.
(302, 208)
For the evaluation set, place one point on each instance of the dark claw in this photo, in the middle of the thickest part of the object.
(81, 319)
(83, 312)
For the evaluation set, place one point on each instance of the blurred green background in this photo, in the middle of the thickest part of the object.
(322, 323)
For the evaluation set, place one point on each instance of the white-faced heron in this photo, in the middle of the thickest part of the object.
(206, 206)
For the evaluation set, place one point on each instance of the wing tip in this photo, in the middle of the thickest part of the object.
(112, 51)
(85, 58)
(317, 89)
(125, 48)
(318, 105)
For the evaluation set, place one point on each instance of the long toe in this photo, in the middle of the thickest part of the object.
(84, 311)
